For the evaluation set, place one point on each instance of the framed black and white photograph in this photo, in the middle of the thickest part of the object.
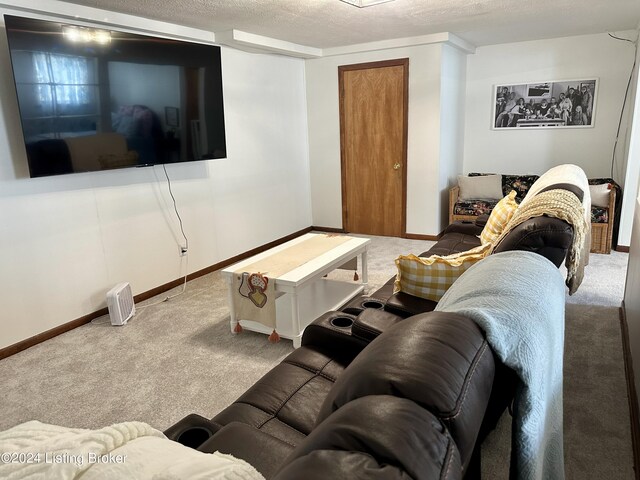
(558, 104)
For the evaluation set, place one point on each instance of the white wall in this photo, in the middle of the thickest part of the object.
(536, 150)
(452, 110)
(631, 297)
(423, 148)
(66, 240)
(632, 164)
(630, 235)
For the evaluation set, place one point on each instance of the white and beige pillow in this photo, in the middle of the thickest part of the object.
(482, 187)
(600, 195)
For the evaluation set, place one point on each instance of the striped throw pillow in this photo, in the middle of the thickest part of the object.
(500, 216)
(431, 277)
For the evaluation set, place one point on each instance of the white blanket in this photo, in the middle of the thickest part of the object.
(131, 450)
(567, 173)
(573, 175)
(517, 299)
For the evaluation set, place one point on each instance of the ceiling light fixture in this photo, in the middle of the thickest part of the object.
(365, 3)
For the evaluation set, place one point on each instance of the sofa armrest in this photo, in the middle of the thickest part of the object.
(453, 198)
(371, 323)
(192, 430)
(612, 204)
(332, 331)
(261, 450)
(406, 305)
(466, 227)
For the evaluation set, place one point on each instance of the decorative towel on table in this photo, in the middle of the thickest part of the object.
(517, 299)
(254, 295)
(564, 205)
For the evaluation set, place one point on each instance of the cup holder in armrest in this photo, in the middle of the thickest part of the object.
(357, 305)
(194, 437)
(192, 431)
(341, 322)
(375, 304)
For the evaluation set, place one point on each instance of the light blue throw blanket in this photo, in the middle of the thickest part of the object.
(517, 298)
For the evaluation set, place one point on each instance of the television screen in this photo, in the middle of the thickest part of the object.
(94, 99)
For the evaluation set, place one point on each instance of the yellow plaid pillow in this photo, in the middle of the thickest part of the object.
(431, 277)
(500, 216)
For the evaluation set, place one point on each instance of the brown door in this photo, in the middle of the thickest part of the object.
(373, 137)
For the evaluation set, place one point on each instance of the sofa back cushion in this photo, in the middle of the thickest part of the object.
(406, 441)
(439, 361)
(519, 183)
(485, 187)
(600, 195)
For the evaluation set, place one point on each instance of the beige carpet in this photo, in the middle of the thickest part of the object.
(179, 357)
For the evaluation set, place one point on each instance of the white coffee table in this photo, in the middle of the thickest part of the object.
(303, 293)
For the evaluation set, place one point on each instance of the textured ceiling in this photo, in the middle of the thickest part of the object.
(332, 23)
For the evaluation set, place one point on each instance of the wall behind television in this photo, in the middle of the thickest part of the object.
(67, 240)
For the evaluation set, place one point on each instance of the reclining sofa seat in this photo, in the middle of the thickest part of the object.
(351, 402)
(362, 412)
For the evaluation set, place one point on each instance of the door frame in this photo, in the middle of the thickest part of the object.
(403, 62)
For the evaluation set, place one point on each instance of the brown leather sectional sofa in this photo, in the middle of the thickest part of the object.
(410, 402)
(372, 394)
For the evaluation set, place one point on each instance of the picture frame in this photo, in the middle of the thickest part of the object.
(545, 104)
(171, 116)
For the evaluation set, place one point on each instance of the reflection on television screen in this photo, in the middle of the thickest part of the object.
(92, 99)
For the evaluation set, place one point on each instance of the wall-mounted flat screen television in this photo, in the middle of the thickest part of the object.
(95, 99)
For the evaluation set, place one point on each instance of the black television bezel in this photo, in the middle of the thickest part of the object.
(221, 151)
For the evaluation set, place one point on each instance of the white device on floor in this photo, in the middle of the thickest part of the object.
(120, 304)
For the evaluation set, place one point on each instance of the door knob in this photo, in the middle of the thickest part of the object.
(396, 166)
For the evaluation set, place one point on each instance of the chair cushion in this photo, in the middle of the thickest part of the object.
(600, 194)
(486, 187)
(286, 401)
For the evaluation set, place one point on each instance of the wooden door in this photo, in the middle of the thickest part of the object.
(373, 137)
